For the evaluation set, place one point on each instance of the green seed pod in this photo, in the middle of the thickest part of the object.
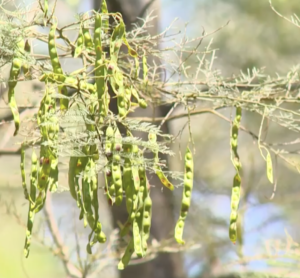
(186, 196)
(27, 49)
(64, 102)
(146, 220)
(46, 8)
(79, 43)
(116, 41)
(127, 255)
(137, 239)
(109, 135)
(72, 176)
(87, 191)
(100, 71)
(117, 179)
(12, 82)
(88, 41)
(105, 20)
(269, 167)
(128, 184)
(31, 211)
(143, 103)
(53, 181)
(23, 173)
(81, 162)
(235, 195)
(235, 199)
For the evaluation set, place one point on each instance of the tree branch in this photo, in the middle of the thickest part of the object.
(71, 269)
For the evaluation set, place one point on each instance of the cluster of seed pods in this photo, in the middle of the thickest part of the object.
(83, 175)
(125, 171)
(44, 175)
(134, 182)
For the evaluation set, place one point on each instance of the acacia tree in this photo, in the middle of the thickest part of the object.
(76, 120)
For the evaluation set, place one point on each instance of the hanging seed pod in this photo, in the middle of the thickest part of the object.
(236, 188)
(186, 195)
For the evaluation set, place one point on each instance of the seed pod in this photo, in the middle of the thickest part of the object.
(81, 162)
(146, 220)
(141, 102)
(104, 11)
(186, 196)
(117, 179)
(49, 128)
(87, 190)
(72, 176)
(236, 188)
(53, 181)
(46, 8)
(64, 102)
(109, 138)
(127, 255)
(25, 65)
(143, 185)
(23, 173)
(79, 43)
(127, 179)
(108, 182)
(137, 238)
(116, 41)
(100, 71)
(235, 199)
(269, 167)
(88, 41)
(12, 82)
(31, 211)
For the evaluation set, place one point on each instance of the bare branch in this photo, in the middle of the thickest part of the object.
(71, 269)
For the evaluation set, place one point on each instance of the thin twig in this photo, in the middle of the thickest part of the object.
(71, 269)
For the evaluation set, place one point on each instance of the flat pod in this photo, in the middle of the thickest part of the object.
(137, 236)
(79, 43)
(87, 191)
(100, 71)
(236, 188)
(105, 20)
(186, 195)
(12, 82)
(31, 210)
(72, 176)
(117, 179)
(88, 41)
(64, 102)
(46, 8)
(23, 173)
(146, 222)
(269, 167)
(25, 66)
(128, 184)
(116, 41)
(127, 255)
